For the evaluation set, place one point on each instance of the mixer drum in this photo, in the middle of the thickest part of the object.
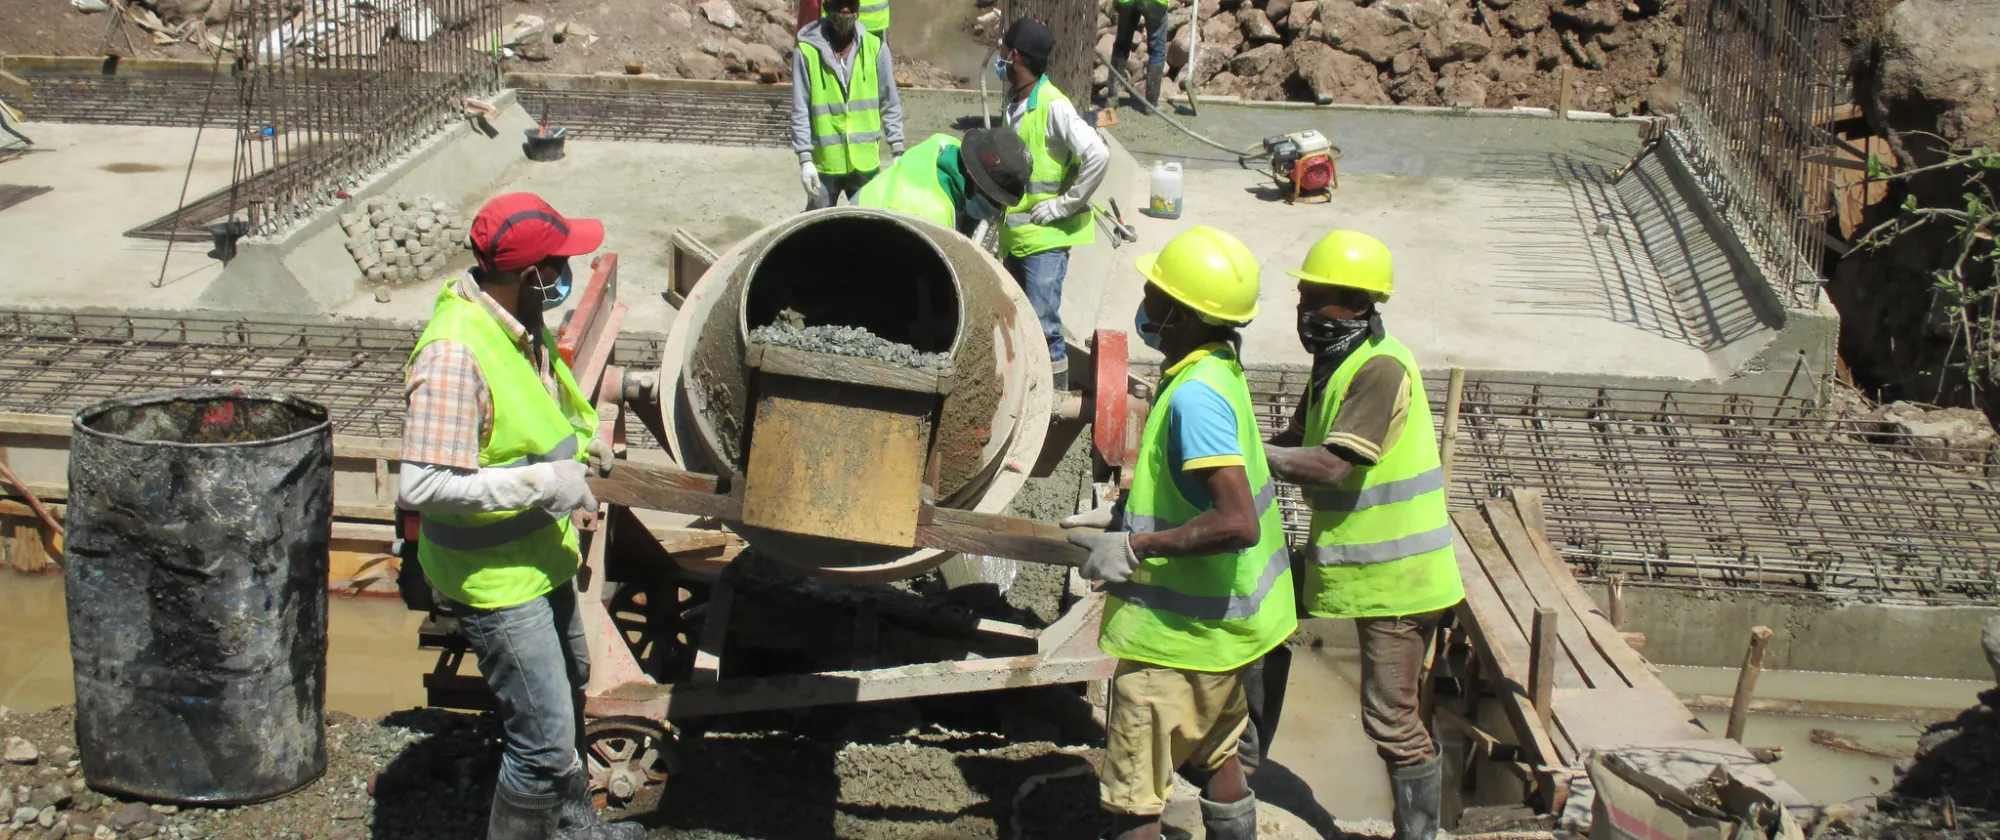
(903, 279)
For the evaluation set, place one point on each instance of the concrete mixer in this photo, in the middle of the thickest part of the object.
(848, 397)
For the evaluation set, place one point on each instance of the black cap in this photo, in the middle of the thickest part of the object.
(1031, 38)
(996, 161)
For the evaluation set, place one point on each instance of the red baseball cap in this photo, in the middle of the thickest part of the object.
(517, 230)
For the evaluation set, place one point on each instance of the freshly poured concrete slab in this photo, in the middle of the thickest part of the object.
(68, 246)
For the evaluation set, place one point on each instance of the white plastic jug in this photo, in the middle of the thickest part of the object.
(1165, 201)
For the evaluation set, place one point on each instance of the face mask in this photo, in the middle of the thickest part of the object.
(1147, 328)
(1000, 66)
(554, 292)
(1323, 336)
(981, 210)
(842, 24)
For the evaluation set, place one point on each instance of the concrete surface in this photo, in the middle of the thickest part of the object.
(67, 248)
(642, 192)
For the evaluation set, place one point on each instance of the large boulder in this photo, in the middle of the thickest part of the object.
(1209, 61)
(1257, 29)
(1222, 31)
(1373, 33)
(1423, 14)
(1526, 16)
(1463, 88)
(1456, 39)
(1301, 17)
(1335, 76)
(1593, 16)
(1942, 58)
(695, 64)
(1276, 10)
(1261, 72)
(1958, 437)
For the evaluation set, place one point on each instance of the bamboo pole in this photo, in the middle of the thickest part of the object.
(1746, 682)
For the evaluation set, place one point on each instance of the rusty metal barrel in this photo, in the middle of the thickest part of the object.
(196, 574)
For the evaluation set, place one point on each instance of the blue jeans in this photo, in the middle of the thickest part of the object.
(831, 187)
(1129, 15)
(537, 662)
(1041, 275)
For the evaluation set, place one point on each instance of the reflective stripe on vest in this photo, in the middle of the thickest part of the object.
(911, 184)
(1047, 178)
(1381, 541)
(874, 16)
(1214, 612)
(502, 558)
(846, 121)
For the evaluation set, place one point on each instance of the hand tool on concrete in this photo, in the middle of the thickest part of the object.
(1119, 230)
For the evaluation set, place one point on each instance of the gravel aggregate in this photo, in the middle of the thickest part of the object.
(849, 341)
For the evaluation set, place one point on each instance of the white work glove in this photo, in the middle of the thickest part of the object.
(563, 488)
(1047, 212)
(600, 456)
(1111, 558)
(809, 178)
(1100, 518)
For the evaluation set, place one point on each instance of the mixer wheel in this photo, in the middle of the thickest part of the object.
(630, 761)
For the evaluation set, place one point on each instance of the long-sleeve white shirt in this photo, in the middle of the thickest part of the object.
(1069, 135)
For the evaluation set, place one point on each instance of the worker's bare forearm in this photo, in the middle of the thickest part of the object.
(1212, 532)
(1307, 466)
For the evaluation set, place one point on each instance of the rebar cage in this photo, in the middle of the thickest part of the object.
(332, 91)
(1759, 76)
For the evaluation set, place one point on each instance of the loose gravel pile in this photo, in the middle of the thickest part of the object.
(850, 341)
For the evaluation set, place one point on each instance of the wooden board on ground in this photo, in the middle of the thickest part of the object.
(1612, 717)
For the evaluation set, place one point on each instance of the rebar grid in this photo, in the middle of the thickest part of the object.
(56, 363)
(1725, 492)
(751, 118)
(1759, 75)
(331, 91)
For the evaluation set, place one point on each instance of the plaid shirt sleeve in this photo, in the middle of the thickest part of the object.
(449, 409)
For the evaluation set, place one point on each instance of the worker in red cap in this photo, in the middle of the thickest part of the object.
(496, 446)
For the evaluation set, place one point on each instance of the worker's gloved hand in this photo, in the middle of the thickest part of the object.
(1111, 558)
(1100, 517)
(600, 456)
(1046, 213)
(809, 178)
(565, 488)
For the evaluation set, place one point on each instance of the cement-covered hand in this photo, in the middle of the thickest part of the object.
(600, 456)
(1111, 558)
(809, 178)
(564, 487)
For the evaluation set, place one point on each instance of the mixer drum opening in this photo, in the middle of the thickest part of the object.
(871, 272)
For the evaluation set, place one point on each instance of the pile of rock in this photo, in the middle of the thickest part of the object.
(399, 240)
(1624, 55)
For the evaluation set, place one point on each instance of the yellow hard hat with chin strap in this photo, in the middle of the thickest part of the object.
(1351, 259)
(1208, 271)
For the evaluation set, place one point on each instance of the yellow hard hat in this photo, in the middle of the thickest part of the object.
(1209, 271)
(1350, 258)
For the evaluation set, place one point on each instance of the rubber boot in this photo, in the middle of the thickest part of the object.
(1153, 74)
(579, 820)
(509, 820)
(1419, 794)
(1059, 375)
(1230, 820)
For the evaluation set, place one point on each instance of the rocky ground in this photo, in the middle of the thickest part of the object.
(1951, 789)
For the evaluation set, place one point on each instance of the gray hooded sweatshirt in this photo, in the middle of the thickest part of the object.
(843, 68)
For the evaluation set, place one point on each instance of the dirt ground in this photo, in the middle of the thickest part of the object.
(1951, 788)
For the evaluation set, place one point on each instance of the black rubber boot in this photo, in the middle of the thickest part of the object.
(510, 820)
(1419, 794)
(1153, 74)
(1230, 820)
(579, 819)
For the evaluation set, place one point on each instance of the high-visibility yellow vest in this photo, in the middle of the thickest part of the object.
(1381, 539)
(911, 184)
(503, 558)
(1048, 178)
(874, 16)
(846, 122)
(1213, 612)
(1123, 3)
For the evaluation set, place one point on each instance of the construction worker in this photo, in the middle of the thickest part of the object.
(874, 17)
(1198, 583)
(1069, 162)
(495, 450)
(955, 185)
(844, 105)
(1154, 13)
(1362, 448)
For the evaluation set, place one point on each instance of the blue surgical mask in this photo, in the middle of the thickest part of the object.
(981, 210)
(1147, 328)
(1000, 67)
(553, 293)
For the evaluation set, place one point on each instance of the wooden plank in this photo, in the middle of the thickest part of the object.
(25, 550)
(999, 536)
(1507, 582)
(1542, 642)
(1599, 718)
(1611, 643)
(829, 461)
(1527, 560)
(852, 370)
(1503, 648)
(665, 488)
(714, 634)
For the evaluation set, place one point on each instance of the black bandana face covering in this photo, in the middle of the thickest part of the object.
(1323, 336)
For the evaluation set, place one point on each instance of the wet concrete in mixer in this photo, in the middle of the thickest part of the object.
(849, 341)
